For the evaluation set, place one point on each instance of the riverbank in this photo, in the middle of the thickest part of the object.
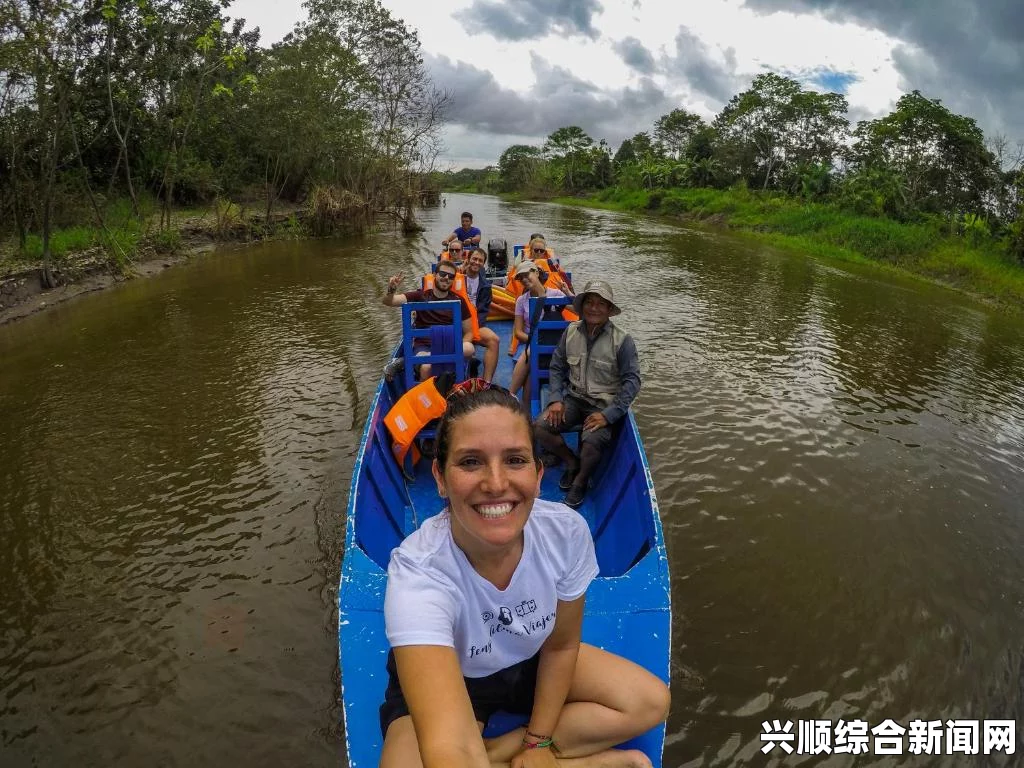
(978, 267)
(22, 293)
(85, 267)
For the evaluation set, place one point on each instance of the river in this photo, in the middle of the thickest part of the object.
(837, 454)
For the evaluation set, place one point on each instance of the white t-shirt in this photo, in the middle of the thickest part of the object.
(472, 286)
(522, 308)
(435, 597)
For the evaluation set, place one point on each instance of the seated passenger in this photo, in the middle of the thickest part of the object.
(467, 234)
(538, 248)
(594, 376)
(495, 548)
(528, 274)
(525, 252)
(440, 291)
(551, 270)
(480, 295)
(455, 253)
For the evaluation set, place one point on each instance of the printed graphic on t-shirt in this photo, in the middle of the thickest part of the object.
(502, 621)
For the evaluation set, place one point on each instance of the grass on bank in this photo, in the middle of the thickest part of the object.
(125, 238)
(118, 241)
(925, 249)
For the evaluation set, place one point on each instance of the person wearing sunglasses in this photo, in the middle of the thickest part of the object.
(440, 291)
(538, 248)
(594, 376)
(483, 611)
(455, 253)
(467, 234)
(528, 275)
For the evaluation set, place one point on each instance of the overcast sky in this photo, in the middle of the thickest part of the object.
(519, 69)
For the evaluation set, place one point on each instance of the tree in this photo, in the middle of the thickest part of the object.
(43, 44)
(939, 158)
(705, 172)
(1008, 165)
(814, 138)
(518, 166)
(303, 121)
(644, 147)
(625, 155)
(1015, 227)
(568, 149)
(775, 125)
(404, 109)
(651, 172)
(172, 97)
(752, 126)
(191, 49)
(603, 172)
(674, 131)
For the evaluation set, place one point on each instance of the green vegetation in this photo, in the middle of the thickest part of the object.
(174, 102)
(920, 189)
(981, 267)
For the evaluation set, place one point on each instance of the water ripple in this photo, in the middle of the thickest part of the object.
(836, 458)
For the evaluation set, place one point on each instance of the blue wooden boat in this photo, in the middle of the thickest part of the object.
(628, 606)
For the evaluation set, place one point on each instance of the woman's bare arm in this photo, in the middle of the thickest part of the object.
(446, 729)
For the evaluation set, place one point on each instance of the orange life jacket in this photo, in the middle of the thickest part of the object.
(556, 278)
(463, 257)
(458, 287)
(413, 411)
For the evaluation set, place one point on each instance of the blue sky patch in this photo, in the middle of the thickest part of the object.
(825, 79)
(831, 80)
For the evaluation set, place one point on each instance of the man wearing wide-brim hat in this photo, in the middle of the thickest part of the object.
(594, 376)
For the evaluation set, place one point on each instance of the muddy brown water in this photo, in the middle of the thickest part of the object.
(837, 455)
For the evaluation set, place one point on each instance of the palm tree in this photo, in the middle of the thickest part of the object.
(705, 171)
(650, 171)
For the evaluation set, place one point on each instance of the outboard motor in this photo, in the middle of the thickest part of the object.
(497, 256)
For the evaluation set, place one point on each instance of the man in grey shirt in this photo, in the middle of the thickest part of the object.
(594, 376)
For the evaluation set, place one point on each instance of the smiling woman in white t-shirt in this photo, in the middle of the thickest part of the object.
(483, 611)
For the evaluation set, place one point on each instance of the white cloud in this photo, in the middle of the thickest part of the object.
(275, 18)
(732, 43)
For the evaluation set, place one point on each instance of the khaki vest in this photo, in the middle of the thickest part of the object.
(594, 372)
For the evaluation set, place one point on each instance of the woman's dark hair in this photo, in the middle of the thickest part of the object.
(460, 405)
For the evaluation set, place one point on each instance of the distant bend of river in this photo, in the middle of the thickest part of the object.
(837, 456)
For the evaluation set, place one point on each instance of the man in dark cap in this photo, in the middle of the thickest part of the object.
(594, 376)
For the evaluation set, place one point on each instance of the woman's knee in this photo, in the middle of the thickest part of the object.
(653, 703)
(400, 749)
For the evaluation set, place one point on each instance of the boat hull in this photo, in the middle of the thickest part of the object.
(627, 608)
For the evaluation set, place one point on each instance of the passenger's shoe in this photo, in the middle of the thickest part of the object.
(568, 476)
(394, 368)
(575, 496)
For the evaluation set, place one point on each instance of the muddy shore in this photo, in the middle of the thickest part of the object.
(21, 289)
(22, 293)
